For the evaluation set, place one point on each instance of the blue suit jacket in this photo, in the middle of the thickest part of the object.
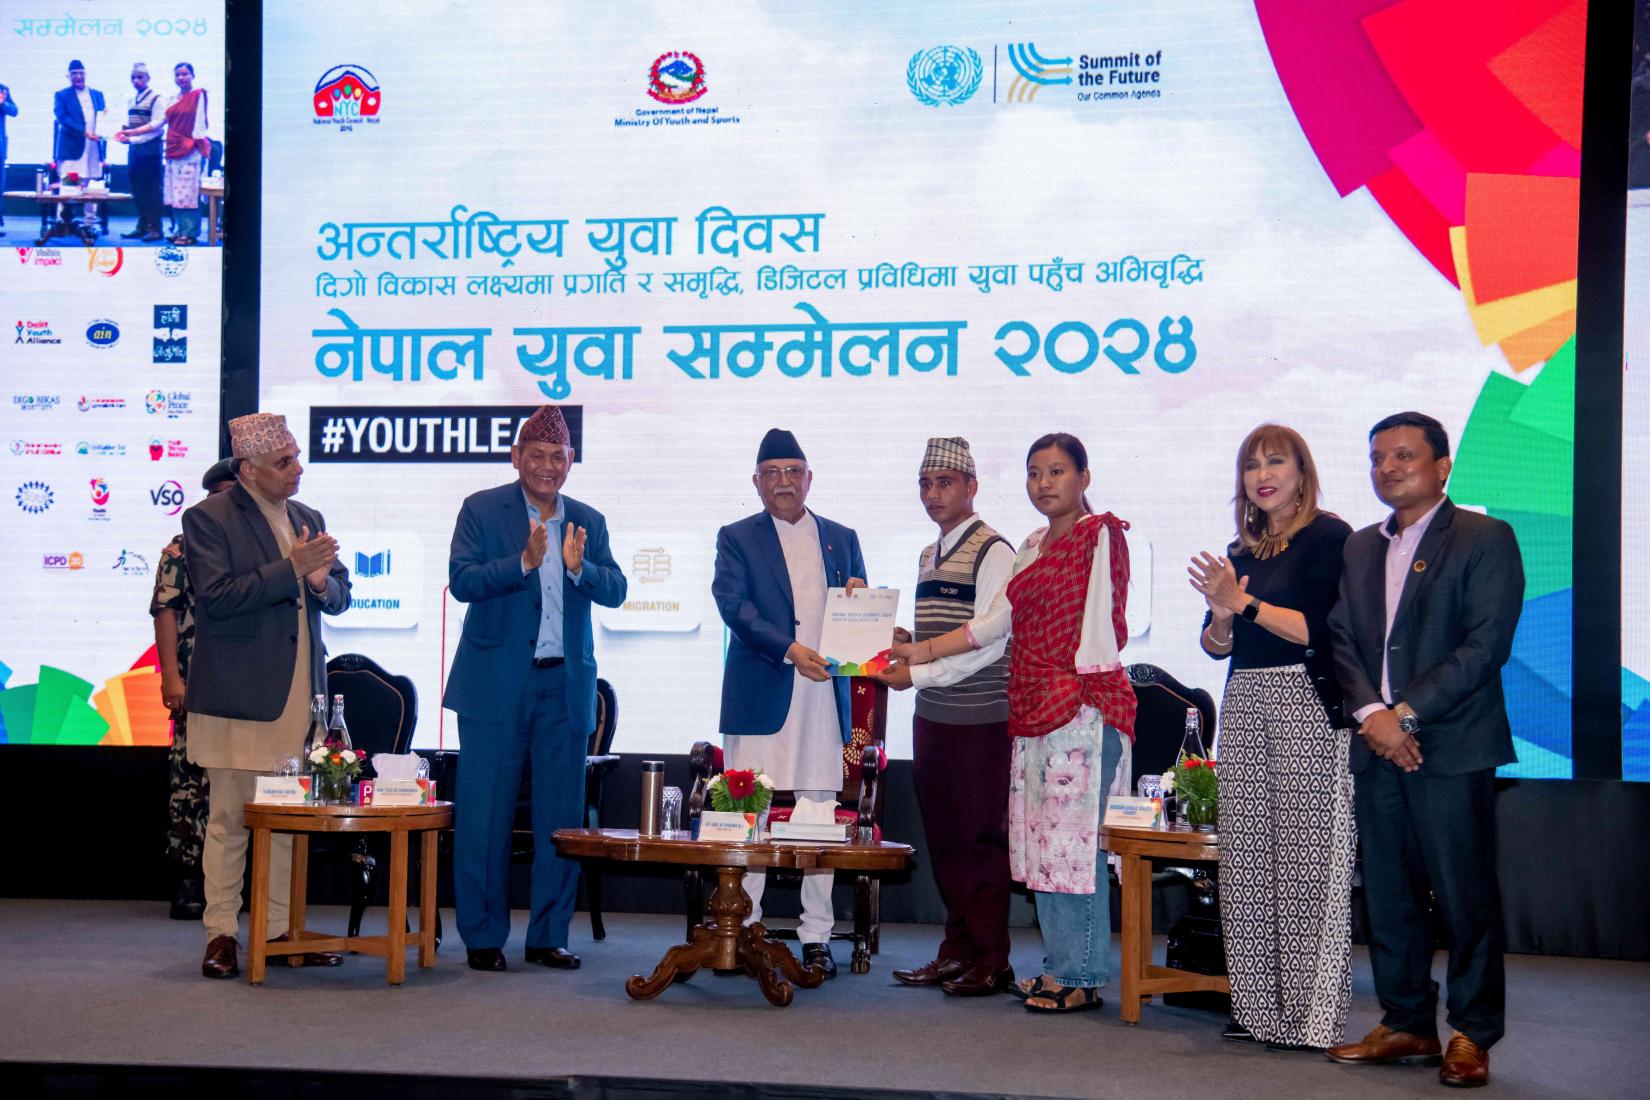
(71, 122)
(501, 629)
(753, 593)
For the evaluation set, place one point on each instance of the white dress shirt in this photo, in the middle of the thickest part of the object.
(1400, 558)
(995, 569)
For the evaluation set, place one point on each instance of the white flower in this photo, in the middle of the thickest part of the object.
(317, 755)
(348, 755)
(762, 780)
(1168, 782)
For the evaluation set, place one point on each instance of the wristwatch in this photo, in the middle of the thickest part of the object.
(1407, 720)
(1251, 611)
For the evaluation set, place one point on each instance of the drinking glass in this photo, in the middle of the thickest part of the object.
(670, 819)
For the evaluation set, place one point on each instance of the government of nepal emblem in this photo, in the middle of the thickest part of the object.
(944, 75)
(676, 77)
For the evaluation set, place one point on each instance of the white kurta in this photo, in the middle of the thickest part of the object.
(806, 753)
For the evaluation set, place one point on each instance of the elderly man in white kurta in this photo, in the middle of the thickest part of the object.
(782, 711)
(264, 570)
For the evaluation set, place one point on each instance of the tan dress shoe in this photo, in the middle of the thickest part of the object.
(220, 959)
(1466, 1064)
(1384, 1046)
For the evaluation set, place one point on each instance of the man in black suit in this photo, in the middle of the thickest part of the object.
(1429, 601)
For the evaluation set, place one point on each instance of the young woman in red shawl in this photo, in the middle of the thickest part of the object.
(187, 147)
(1071, 715)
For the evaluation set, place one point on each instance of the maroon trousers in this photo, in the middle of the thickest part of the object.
(962, 789)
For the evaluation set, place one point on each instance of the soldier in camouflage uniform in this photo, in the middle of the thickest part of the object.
(173, 609)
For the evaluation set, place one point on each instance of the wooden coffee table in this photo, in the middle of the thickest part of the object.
(724, 941)
(1138, 847)
(398, 821)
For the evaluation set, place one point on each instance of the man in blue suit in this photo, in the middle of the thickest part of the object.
(8, 109)
(529, 561)
(77, 112)
(782, 711)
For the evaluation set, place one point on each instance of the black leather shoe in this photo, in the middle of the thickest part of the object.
(1235, 1032)
(188, 900)
(981, 981)
(220, 958)
(153, 235)
(132, 236)
(309, 958)
(819, 954)
(558, 958)
(933, 973)
(1294, 1048)
(487, 958)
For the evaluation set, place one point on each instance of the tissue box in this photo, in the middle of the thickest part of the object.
(403, 792)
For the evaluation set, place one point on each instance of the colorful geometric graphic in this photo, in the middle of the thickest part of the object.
(60, 709)
(1463, 119)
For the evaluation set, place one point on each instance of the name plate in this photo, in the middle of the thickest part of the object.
(722, 825)
(282, 790)
(1126, 812)
(403, 792)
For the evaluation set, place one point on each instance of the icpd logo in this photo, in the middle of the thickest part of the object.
(168, 497)
(676, 77)
(347, 96)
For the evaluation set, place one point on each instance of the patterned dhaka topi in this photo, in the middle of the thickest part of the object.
(545, 426)
(259, 434)
(947, 452)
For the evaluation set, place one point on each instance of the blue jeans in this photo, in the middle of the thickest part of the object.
(1077, 927)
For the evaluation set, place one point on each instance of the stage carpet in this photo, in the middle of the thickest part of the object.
(105, 998)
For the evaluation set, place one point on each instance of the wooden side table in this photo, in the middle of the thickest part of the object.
(1138, 847)
(399, 822)
(724, 941)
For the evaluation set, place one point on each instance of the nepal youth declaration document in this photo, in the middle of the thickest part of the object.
(858, 629)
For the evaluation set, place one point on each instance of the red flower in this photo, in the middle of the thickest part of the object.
(1193, 762)
(740, 783)
(1208, 763)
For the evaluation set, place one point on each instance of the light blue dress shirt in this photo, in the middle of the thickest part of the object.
(550, 621)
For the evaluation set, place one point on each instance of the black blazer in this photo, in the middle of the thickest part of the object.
(1452, 634)
(246, 621)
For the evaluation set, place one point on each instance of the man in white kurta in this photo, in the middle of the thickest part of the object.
(782, 711)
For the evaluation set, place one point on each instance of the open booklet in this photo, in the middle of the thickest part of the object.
(859, 628)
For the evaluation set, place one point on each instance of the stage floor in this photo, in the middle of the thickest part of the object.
(116, 982)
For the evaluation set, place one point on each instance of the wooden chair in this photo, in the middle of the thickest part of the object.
(598, 761)
(860, 803)
(1160, 724)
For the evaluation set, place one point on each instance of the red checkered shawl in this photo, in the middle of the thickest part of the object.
(1049, 598)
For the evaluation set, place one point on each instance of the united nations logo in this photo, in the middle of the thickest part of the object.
(944, 74)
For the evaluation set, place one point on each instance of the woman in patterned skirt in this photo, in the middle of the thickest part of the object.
(1071, 715)
(1286, 831)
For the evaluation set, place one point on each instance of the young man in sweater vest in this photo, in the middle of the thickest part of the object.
(961, 731)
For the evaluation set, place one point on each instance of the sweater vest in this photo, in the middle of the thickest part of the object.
(946, 589)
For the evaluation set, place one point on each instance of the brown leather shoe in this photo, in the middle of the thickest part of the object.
(980, 981)
(1384, 1046)
(309, 958)
(220, 958)
(1466, 1064)
(932, 973)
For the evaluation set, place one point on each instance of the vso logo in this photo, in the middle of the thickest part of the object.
(168, 497)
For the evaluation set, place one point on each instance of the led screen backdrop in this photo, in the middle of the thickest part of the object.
(1635, 435)
(109, 375)
(1151, 224)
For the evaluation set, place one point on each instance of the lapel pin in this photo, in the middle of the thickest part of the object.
(1420, 567)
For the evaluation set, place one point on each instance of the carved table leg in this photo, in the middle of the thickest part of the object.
(683, 958)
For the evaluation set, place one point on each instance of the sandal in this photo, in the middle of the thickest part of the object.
(1031, 987)
(1072, 998)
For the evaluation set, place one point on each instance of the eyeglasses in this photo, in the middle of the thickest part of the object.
(789, 473)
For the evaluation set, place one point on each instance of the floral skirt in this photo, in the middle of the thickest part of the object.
(1054, 799)
(183, 182)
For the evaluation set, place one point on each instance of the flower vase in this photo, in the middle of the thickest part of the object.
(331, 790)
(1202, 814)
